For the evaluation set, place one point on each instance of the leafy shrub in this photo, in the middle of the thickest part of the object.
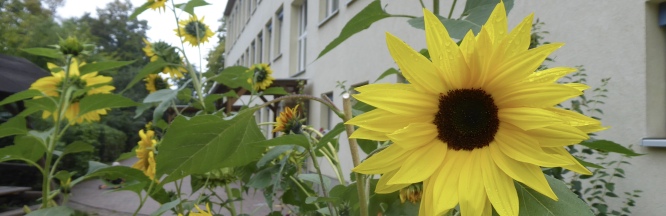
(108, 144)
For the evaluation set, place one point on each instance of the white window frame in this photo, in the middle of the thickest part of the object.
(302, 36)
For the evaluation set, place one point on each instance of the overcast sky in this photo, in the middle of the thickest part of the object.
(161, 24)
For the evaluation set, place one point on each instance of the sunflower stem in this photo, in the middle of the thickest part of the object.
(53, 138)
(453, 6)
(353, 147)
(422, 5)
(315, 163)
(435, 7)
(195, 78)
(232, 207)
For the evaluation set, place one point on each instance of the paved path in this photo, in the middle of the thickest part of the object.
(87, 197)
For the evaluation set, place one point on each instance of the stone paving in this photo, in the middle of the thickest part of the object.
(86, 196)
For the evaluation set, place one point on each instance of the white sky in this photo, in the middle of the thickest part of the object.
(161, 24)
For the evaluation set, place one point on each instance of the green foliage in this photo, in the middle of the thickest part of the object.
(534, 203)
(208, 142)
(107, 143)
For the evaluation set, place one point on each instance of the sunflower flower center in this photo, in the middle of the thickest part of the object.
(260, 74)
(196, 29)
(160, 84)
(467, 119)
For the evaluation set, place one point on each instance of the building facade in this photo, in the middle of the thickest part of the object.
(617, 39)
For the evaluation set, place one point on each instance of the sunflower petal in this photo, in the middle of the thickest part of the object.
(525, 173)
(518, 40)
(497, 23)
(385, 121)
(415, 135)
(400, 101)
(533, 95)
(382, 86)
(363, 133)
(524, 148)
(527, 118)
(550, 75)
(446, 181)
(421, 164)
(576, 167)
(521, 66)
(557, 135)
(444, 53)
(384, 188)
(414, 66)
(385, 161)
(468, 49)
(499, 186)
(471, 194)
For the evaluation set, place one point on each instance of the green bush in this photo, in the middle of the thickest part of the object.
(108, 144)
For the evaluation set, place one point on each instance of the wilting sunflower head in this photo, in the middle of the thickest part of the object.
(411, 193)
(146, 153)
(81, 86)
(262, 75)
(194, 31)
(157, 5)
(155, 82)
(473, 119)
(168, 53)
(289, 121)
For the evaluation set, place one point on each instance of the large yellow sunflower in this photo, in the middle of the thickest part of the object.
(51, 86)
(168, 53)
(194, 31)
(157, 4)
(288, 121)
(473, 120)
(146, 153)
(155, 82)
(262, 74)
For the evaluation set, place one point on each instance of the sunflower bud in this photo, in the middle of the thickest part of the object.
(71, 46)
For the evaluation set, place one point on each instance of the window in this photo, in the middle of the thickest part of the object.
(278, 32)
(253, 7)
(329, 8)
(247, 58)
(251, 54)
(302, 36)
(260, 48)
(269, 39)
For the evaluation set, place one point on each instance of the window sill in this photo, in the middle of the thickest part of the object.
(350, 1)
(298, 74)
(328, 18)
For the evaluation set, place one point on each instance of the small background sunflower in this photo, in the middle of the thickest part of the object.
(194, 31)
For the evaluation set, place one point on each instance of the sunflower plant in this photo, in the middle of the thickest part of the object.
(74, 93)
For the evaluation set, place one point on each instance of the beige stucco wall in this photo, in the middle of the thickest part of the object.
(612, 38)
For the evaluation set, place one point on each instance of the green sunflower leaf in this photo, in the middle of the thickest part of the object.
(535, 203)
(234, 77)
(609, 146)
(361, 21)
(30, 93)
(140, 10)
(76, 147)
(330, 135)
(388, 72)
(25, 148)
(152, 67)
(135, 180)
(206, 142)
(102, 66)
(14, 126)
(46, 52)
(190, 5)
(95, 102)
